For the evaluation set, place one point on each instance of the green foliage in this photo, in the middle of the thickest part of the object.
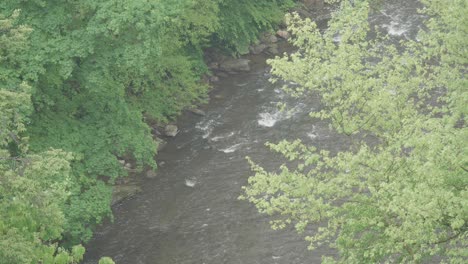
(90, 207)
(34, 188)
(106, 260)
(76, 87)
(399, 192)
(242, 21)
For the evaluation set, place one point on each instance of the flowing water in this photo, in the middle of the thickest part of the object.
(190, 213)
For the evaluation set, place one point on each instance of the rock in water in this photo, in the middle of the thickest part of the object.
(198, 112)
(190, 183)
(273, 50)
(214, 78)
(171, 130)
(235, 65)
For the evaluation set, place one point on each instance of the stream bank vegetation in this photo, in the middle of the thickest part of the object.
(403, 199)
(79, 83)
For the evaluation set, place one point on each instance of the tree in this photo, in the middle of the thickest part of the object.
(97, 70)
(106, 260)
(399, 191)
(33, 187)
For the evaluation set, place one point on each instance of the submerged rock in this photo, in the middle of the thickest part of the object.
(214, 78)
(151, 174)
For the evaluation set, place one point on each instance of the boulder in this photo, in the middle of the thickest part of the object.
(198, 112)
(268, 38)
(151, 174)
(272, 39)
(235, 65)
(257, 49)
(282, 34)
(171, 130)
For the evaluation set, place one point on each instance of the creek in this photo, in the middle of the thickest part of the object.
(190, 213)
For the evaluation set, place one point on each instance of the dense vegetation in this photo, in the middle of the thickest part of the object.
(79, 80)
(399, 192)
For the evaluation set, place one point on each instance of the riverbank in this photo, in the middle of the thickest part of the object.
(269, 45)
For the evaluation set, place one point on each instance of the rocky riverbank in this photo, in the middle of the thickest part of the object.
(221, 65)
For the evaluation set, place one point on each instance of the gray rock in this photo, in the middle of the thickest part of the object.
(198, 112)
(121, 161)
(272, 39)
(268, 38)
(257, 49)
(282, 34)
(171, 130)
(235, 65)
(214, 78)
(150, 174)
